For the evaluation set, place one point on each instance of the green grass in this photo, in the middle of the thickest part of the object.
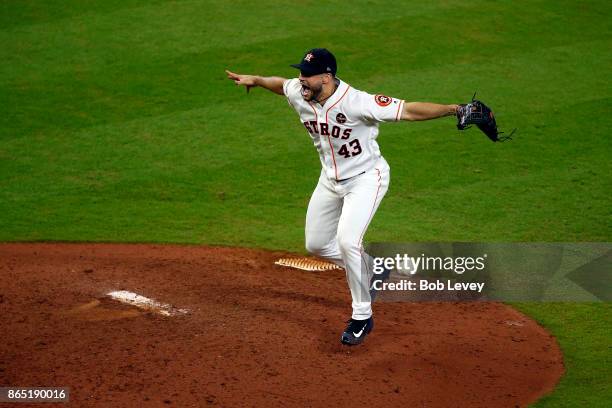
(584, 331)
(118, 124)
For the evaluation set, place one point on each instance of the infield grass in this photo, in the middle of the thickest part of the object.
(118, 124)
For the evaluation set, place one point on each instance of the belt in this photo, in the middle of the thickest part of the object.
(351, 177)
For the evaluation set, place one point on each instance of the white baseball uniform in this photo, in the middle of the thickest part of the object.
(354, 178)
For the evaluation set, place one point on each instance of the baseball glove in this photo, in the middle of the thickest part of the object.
(479, 114)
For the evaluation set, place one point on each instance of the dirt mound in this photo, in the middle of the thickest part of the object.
(256, 334)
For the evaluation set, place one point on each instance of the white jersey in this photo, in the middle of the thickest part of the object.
(345, 128)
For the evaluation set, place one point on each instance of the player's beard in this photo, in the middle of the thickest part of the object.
(311, 93)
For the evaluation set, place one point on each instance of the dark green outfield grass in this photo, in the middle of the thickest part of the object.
(117, 124)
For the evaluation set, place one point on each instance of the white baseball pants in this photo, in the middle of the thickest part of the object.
(338, 216)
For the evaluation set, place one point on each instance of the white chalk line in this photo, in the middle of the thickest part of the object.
(143, 302)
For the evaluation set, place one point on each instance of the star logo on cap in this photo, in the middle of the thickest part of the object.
(308, 57)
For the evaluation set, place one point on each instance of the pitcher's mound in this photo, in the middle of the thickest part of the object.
(256, 334)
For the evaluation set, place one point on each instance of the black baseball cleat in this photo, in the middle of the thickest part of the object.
(356, 331)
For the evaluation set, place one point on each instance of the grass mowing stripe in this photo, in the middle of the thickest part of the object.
(87, 105)
(165, 29)
(74, 53)
(20, 13)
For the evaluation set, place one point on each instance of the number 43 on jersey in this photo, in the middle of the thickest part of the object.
(353, 145)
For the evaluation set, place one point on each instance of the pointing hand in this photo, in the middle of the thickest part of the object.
(249, 81)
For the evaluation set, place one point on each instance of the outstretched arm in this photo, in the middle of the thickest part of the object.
(274, 84)
(425, 111)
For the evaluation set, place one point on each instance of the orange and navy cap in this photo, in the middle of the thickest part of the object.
(317, 61)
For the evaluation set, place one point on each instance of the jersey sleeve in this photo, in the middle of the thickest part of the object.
(380, 108)
(291, 89)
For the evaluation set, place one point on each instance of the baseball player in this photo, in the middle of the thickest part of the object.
(342, 123)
